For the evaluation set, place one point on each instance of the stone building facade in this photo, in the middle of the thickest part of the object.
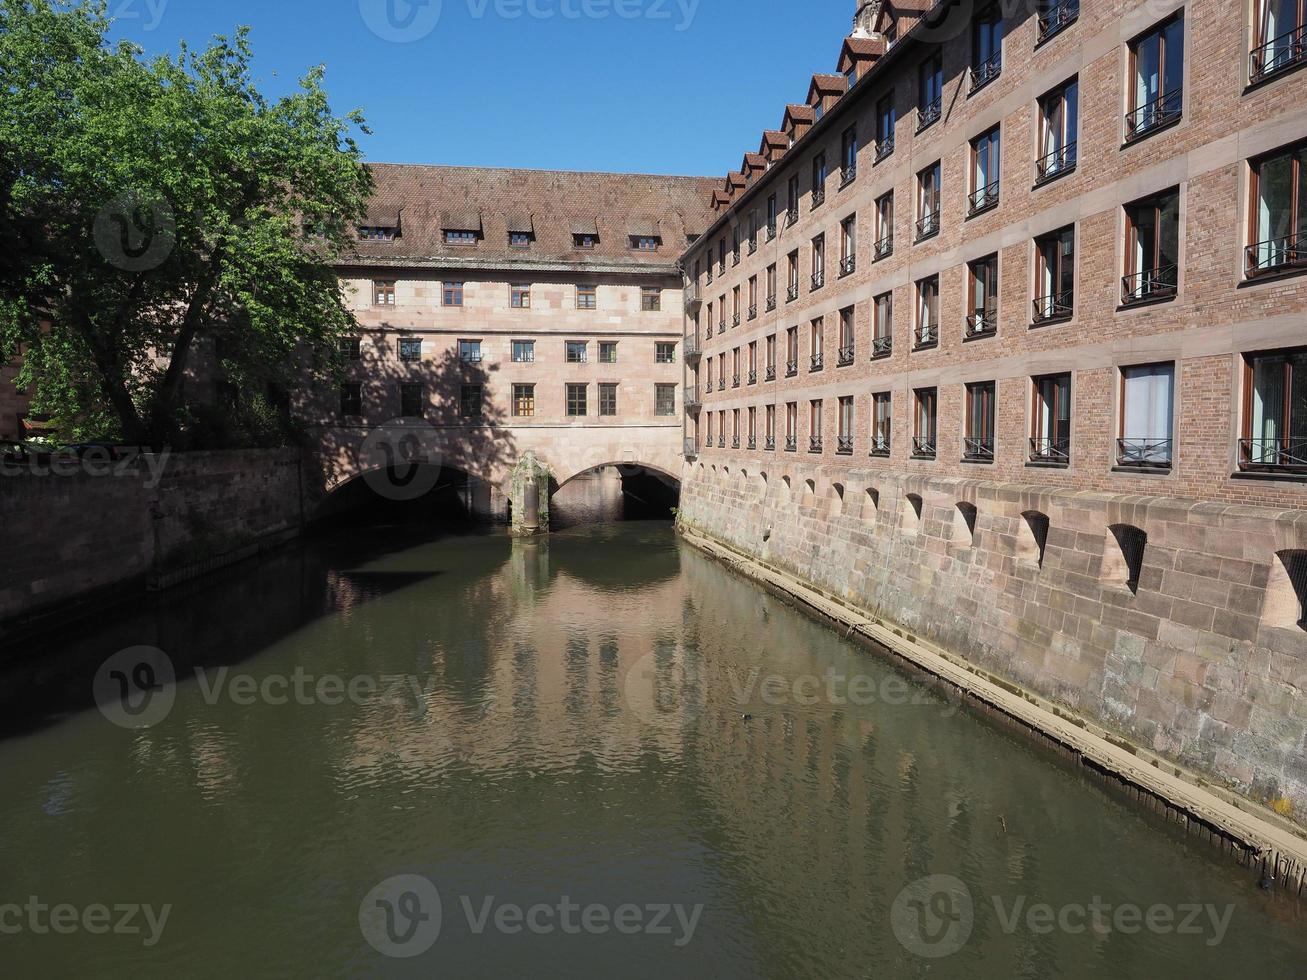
(1002, 336)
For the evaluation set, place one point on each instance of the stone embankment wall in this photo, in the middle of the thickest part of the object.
(91, 531)
(1174, 623)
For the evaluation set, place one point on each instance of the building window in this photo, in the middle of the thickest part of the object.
(576, 352)
(819, 174)
(524, 351)
(849, 155)
(585, 241)
(1147, 399)
(1055, 271)
(982, 317)
(576, 400)
(791, 351)
(664, 399)
(753, 427)
(753, 297)
(882, 325)
(586, 297)
(772, 213)
(930, 91)
(791, 426)
(928, 191)
(651, 299)
(814, 426)
(770, 432)
(984, 172)
(1278, 213)
(847, 336)
(844, 441)
(1152, 248)
(469, 351)
(383, 292)
(410, 348)
(1279, 38)
(1275, 412)
(1157, 79)
(520, 239)
(351, 399)
(927, 327)
(881, 423)
(885, 122)
(607, 399)
(924, 423)
(1059, 120)
(792, 199)
(986, 48)
(817, 343)
(735, 306)
(607, 352)
(519, 296)
(849, 245)
(664, 352)
(735, 365)
(819, 262)
(371, 233)
(645, 243)
(349, 349)
(1050, 420)
(1055, 16)
(524, 400)
(771, 357)
(410, 401)
(451, 294)
(771, 287)
(470, 401)
(453, 237)
(978, 438)
(884, 246)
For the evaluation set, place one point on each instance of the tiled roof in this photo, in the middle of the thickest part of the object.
(553, 205)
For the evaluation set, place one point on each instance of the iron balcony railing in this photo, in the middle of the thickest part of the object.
(978, 450)
(735, 258)
(791, 368)
(771, 231)
(1056, 162)
(753, 442)
(771, 302)
(844, 445)
(690, 449)
(792, 216)
(882, 346)
(923, 447)
(1045, 450)
(770, 444)
(753, 311)
(884, 147)
(880, 445)
(721, 267)
(792, 293)
(735, 381)
(848, 174)
(848, 265)
(770, 375)
(816, 362)
(1143, 452)
(708, 274)
(884, 248)
(1150, 284)
(818, 198)
(692, 299)
(1274, 254)
(735, 320)
(814, 444)
(721, 326)
(721, 442)
(985, 72)
(818, 279)
(927, 225)
(982, 323)
(692, 401)
(721, 384)
(845, 356)
(1055, 17)
(1283, 455)
(929, 114)
(1162, 111)
(692, 349)
(926, 335)
(791, 444)
(1278, 54)
(1056, 306)
(752, 377)
(735, 442)
(982, 199)
(753, 245)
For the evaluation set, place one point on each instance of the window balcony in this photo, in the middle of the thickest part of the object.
(844, 446)
(792, 293)
(692, 350)
(721, 384)
(977, 450)
(1143, 452)
(753, 442)
(690, 449)
(1278, 55)
(1152, 116)
(982, 323)
(845, 357)
(735, 320)
(884, 248)
(753, 377)
(1057, 306)
(753, 311)
(815, 363)
(771, 232)
(925, 336)
(1050, 452)
(1055, 163)
(735, 381)
(982, 200)
(884, 148)
(928, 225)
(770, 375)
(1056, 17)
(985, 72)
(848, 174)
(818, 199)
(721, 326)
(1275, 255)
(708, 274)
(791, 368)
(923, 448)
(753, 245)
(735, 258)
(771, 302)
(1273, 455)
(929, 114)
(792, 216)
(814, 444)
(879, 446)
(770, 444)
(735, 442)
(882, 347)
(1153, 284)
(721, 442)
(721, 267)
(818, 280)
(692, 401)
(848, 265)
(693, 300)
(791, 444)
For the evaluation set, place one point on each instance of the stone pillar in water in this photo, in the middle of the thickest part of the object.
(529, 496)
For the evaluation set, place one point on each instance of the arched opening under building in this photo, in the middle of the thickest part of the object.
(413, 494)
(614, 492)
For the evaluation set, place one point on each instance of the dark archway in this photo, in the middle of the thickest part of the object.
(614, 492)
(409, 494)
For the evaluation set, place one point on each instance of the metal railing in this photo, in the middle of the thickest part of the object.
(708, 274)
(1056, 306)
(769, 444)
(770, 374)
(771, 232)
(1149, 284)
(735, 381)
(927, 225)
(753, 311)
(884, 248)
(848, 265)
(692, 350)
(1056, 16)
(882, 346)
(1165, 109)
(721, 442)
(791, 444)
(845, 356)
(1045, 450)
(929, 114)
(923, 447)
(1273, 254)
(982, 323)
(735, 320)
(792, 293)
(848, 174)
(1278, 54)
(926, 335)
(721, 326)
(721, 384)
(985, 72)
(978, 450)
(818, 198)
(752, 377)
(735, 258)
(771, 302)
(880, 445)
(1286, 455)
(1056, 162)
(792, 216)
(983, 199)
(735, 442)
(753, 245)
(753, 442)
(1143, 452)
(814, 444)
(791, 368)
(692, 397)
(884, 147)
(844, 445)
(817, 361)
(819, 279)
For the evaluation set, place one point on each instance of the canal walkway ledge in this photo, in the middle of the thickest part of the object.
(1203, 727)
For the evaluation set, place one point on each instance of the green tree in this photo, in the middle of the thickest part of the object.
(148, 203)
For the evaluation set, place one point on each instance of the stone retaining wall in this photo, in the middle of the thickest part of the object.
(1171, 622)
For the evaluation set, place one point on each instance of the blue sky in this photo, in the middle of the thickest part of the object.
(653, 86)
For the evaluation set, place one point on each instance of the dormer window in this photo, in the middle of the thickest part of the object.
(460, 237)
(520, 239)
(585, 241)
(646, 243)
(461, 227)
(368, 233)
(819, 109)
(381, 224)
(521, 230)
(585, 233)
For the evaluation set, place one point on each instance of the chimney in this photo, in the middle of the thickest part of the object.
(864, 21)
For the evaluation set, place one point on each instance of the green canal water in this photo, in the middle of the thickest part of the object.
(600, 755)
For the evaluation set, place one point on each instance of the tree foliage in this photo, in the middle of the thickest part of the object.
(147, 204)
